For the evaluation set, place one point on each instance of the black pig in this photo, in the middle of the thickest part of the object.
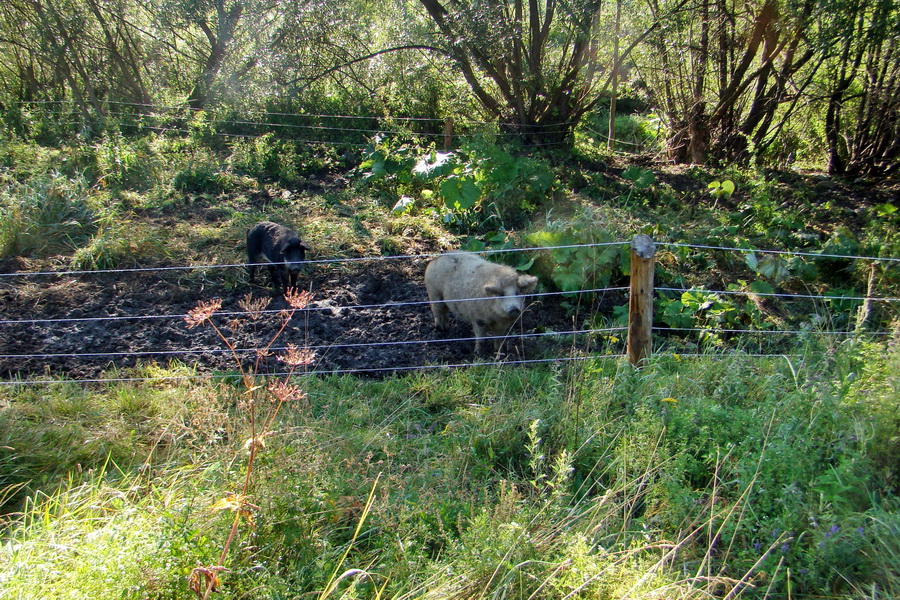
(279, 246)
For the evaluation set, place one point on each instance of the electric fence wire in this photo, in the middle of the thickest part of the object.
(275, 311)
(536, 130)
(381, 370)
(816, 255)
(314, 348)
(552, 126)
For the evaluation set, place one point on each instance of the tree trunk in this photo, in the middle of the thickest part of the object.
(226, 23)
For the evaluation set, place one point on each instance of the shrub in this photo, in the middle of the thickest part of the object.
(481, 187)
(198, 178)
(583, 255)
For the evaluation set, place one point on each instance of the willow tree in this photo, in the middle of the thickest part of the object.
(861, 43)
(726, 75)
(216, 44)
(87, 52)
(535, 65)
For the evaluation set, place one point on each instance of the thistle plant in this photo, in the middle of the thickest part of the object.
(205, 580)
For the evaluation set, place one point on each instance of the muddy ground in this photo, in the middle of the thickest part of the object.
(369, 318)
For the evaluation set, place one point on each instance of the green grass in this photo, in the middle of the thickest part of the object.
(596, 480)
(713, 475)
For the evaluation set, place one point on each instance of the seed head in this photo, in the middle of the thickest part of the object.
(202, 313)
(297, 357)
(254, 307)
(298, 300)
(286, 392)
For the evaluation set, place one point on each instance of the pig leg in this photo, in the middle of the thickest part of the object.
(275, 276)
(440, 312)
(481, 331)
(498, 340)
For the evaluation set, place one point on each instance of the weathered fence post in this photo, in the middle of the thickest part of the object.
(640, 304)
(448, 133)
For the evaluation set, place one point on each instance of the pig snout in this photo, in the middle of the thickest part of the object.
(513, 307)
(294, 259)
(513, 311)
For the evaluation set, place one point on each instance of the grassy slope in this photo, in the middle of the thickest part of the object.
(686, 476)
(691, 477)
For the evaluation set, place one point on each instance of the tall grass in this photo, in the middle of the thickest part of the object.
(719, 476)
(46, 215)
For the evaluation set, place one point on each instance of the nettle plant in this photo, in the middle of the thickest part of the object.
(580, 257)
(699, 309)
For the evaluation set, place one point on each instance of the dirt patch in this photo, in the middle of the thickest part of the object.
(369, 317)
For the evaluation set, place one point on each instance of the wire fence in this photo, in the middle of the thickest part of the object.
(572, 343)
(352, 131)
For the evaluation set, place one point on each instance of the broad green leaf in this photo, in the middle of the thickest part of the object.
(645, 180)
(752, 261)
(403, 205)
(567, 280)
(469, 193)
(450, 193)
(632, 173)
(761, 287)
(525, 265)
(435, 164)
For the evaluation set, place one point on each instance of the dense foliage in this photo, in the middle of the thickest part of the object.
(772, 81)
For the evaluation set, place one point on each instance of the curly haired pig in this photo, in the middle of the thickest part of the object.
(487, 295)
(279, 246)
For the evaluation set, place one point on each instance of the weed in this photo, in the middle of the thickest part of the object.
(199, 178)
(480, 188)
(126, 163)
(205, 580)
(583, 255)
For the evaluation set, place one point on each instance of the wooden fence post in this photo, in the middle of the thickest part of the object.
(448, 133)
(640, 304)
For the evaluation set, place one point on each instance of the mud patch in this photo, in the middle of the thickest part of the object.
(369, 318)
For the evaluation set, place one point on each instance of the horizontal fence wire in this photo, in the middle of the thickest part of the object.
(338, 346)
(327, 261)
(769, 331)
(775, 294)
(276, 311)
(175, 108)
(460, 126)
(888, 259)
(7, 277)
(322, 261)
(316, 348)
(388, 370)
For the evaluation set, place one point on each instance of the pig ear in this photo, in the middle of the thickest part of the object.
(527, 283)
(492, 288)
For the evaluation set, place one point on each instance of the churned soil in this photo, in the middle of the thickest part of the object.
(367, 317)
